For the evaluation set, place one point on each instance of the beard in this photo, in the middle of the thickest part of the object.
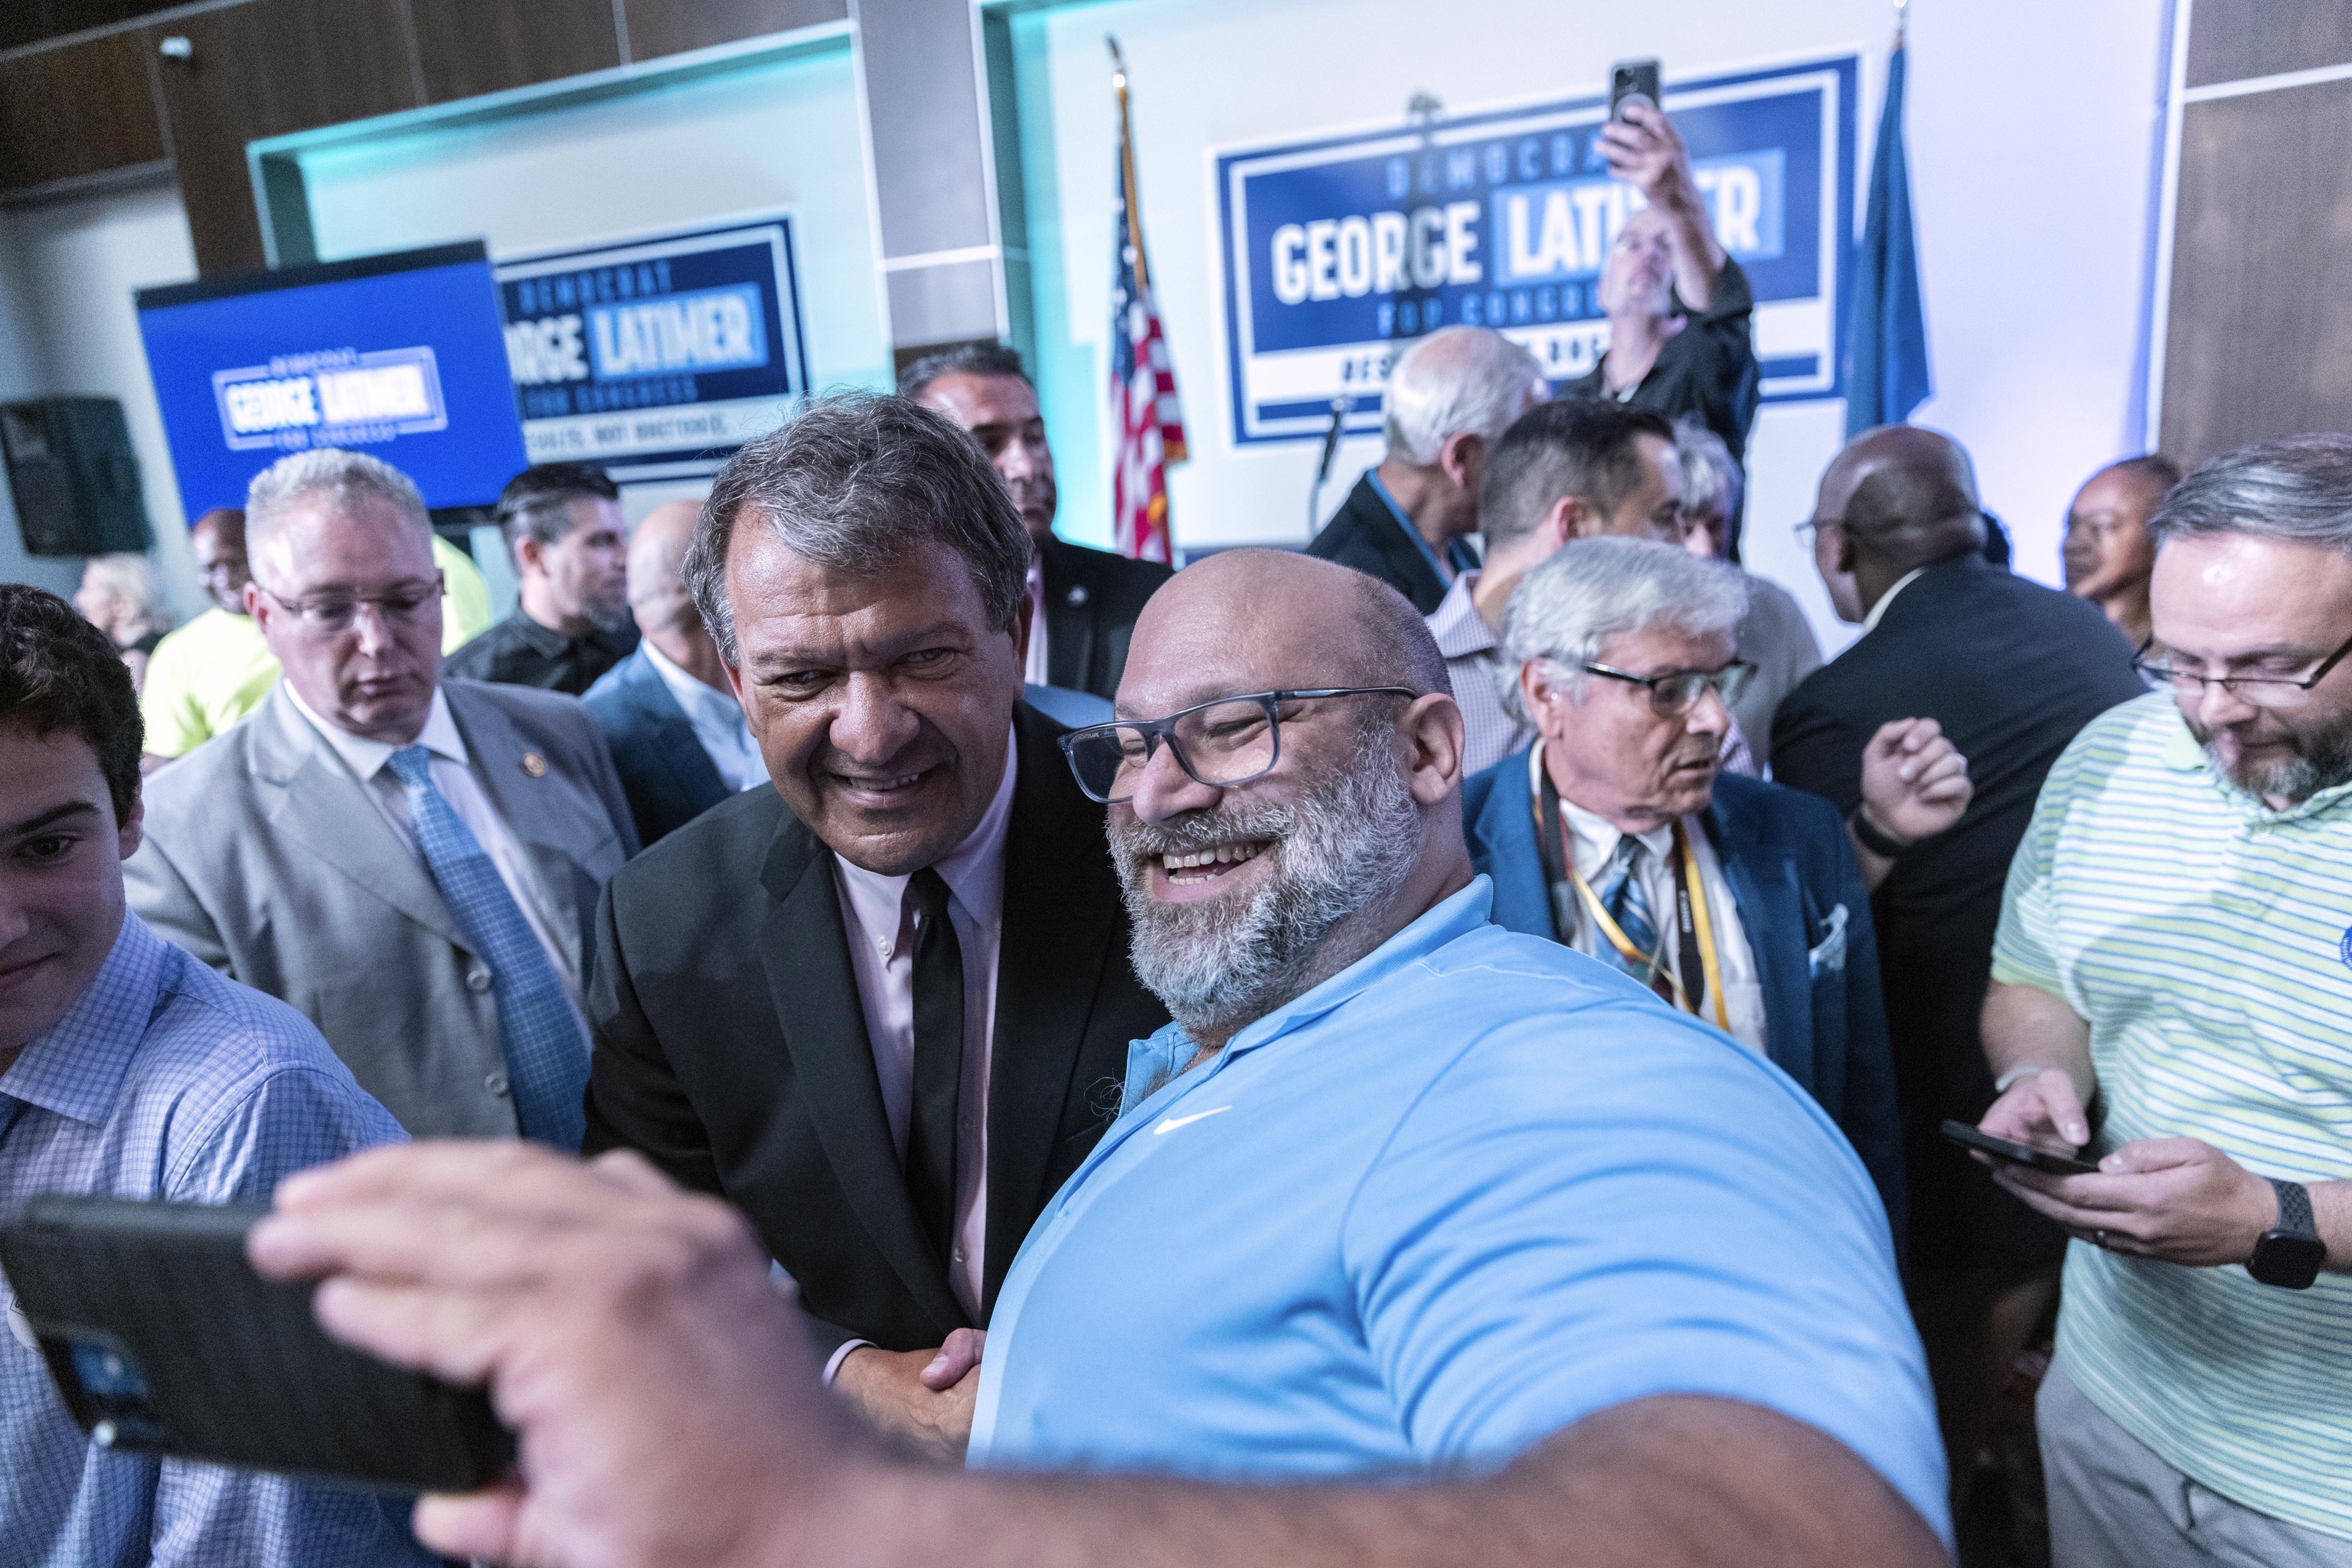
(1345, 847)
(2320, 755)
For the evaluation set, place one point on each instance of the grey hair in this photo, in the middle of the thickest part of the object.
(1711, 475)
(859, 483)
(978, 359)
(1595, 589)
(131, 578)
(346, 480)
(2295, 490)
(1457, 380)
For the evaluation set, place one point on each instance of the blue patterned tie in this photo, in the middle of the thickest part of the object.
(1621, 892)
(547, 1057)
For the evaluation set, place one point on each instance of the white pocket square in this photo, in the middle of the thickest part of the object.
(1830, 953)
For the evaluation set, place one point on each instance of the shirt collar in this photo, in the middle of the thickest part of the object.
(1404, 520)
(699, 698)
(365, 758)
(1456, 624)
(74, 1067)
(1593, 837)
(973, 870)
(1877, 611)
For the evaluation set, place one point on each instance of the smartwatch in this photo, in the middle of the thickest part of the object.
(2290, 1253)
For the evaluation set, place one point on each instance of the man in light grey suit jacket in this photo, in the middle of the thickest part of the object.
(283, 852)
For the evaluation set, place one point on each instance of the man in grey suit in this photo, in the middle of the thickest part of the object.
(410, 863)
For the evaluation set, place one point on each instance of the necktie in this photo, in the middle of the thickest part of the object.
(939, 1061)
(1622, 893)
(546, 1056)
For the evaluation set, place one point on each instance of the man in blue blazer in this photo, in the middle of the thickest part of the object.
(1739, 901)
(676, 734)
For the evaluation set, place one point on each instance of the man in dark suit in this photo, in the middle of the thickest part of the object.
(667, 711)
(1410, 518)
(884, 1007)
(1596, 836)
(2010, 670)
(1084, 601)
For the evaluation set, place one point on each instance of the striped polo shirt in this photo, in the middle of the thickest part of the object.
(2207, 939)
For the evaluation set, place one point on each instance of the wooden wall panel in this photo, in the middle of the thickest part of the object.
(2229, 41)
(660, 27)
(82, 109)
(264, 68)
(468, 48)
(2259, 335)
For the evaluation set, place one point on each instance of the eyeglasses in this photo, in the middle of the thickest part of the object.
(334, 614)
(2256, 690)
(1676, 692)
(1226, 741)
(1806, 530)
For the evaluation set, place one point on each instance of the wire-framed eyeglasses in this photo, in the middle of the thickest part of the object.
(334, 614)
(1222, 743)
(2256, 690)
(1674, 692)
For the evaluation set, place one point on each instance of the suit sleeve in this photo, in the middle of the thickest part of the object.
(635, 1100)
(1817, 752)
(1869, 1117)
(605, 780)
(165, 899)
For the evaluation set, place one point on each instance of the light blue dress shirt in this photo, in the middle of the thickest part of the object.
(1467, 1191)
(167, 1080)
(718, 722)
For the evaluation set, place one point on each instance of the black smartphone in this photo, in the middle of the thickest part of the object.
(1632, 81)
(163, 1340)
(2017, 1154)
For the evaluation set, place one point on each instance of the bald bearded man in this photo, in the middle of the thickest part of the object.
(2010, 670)
(677, 734)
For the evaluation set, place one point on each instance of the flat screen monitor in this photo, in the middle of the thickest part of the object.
(400, 356)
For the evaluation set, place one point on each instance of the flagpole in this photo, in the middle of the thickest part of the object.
(1127, 162)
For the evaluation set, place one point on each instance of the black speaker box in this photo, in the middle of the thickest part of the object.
(74, 477)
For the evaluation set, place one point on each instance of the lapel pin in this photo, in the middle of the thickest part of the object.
(1077, 593)
(534, 765)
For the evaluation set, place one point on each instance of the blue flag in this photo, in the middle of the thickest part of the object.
(1886, 330)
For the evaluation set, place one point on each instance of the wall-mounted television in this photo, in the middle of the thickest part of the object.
(401, 356)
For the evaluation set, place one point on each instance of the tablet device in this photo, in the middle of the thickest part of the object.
(163, 1340)
(2017, 1154)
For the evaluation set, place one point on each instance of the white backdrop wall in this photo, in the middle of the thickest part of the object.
(66, 270)
(2033, 136)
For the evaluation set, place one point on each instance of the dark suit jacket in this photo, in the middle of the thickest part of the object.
(1092, 597)
(1791, 870)
(664, 770)
(2011, 670)
(1365, 535)
(731, 1047)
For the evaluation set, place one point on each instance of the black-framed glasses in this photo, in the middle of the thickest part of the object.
(1676, 692)
(2256, 690)
(334, 614)
(1222, 743)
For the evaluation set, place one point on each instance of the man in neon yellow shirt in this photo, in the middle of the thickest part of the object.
(215, 670)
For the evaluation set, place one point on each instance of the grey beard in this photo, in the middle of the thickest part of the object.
(1345, 847)
(2322, 760)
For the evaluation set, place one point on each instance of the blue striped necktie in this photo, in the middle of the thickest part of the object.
(1621, 892)
(546, 1056)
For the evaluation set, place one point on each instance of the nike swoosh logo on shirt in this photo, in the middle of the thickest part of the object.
(1170, 1124)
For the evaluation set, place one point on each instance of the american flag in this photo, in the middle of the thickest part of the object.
(1143, 403)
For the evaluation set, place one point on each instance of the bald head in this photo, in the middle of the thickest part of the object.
(1907, 498)
(657, 594)
(1271, 620)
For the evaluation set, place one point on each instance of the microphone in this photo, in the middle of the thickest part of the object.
(1339, 406)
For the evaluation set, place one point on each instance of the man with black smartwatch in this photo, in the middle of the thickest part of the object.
(2170, 985)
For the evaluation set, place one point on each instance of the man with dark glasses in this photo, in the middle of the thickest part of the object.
(1619, 834)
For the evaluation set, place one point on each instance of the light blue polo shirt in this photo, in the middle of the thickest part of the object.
(1467, 1191)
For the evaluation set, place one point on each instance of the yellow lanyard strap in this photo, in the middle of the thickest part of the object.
(1689, 886)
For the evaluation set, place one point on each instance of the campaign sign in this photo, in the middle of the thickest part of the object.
(667, 350)
(1339, 250)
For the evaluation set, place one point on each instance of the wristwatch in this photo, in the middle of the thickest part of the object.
(2290, 1253)
(1884, 845)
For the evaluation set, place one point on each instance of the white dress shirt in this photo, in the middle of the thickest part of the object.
(718, 721)
(880, 928)
(1877, 611)
(453, 776)
(1594, 841)
(1035, 673)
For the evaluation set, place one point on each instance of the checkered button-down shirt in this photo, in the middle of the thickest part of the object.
(167, 1080)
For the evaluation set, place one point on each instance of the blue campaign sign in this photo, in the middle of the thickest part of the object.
(1338, 251)
(661, 352)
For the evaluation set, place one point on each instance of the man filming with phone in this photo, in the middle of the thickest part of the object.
(1679, 307)
(2169, 987)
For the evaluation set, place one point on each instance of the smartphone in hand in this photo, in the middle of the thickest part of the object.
(2017, 1154)
(1630, 82)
